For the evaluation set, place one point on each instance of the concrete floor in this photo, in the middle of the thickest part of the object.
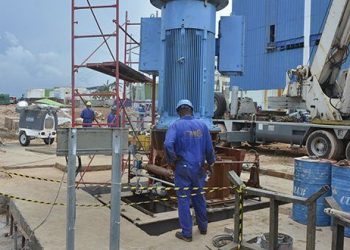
(92, 224)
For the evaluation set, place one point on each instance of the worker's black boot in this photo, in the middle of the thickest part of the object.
(182, 237)
(203, 232)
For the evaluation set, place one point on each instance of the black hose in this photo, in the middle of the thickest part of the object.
(222, 240)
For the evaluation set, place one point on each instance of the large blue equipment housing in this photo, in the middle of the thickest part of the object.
(181, 47)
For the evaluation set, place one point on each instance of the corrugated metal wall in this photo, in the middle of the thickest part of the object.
(263, 69)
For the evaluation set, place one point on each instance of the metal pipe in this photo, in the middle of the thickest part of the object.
(93, 183)
(153, 99)
(73, 64)
(114, 240)
(93, 36)
(131, 38)
(125, 61)
(94, 7)
(71, 198)
(160, 171)
(157, 179)
(117, 58)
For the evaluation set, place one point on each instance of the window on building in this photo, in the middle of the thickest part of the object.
(272, 33)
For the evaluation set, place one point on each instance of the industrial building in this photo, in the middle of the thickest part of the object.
(280, 35)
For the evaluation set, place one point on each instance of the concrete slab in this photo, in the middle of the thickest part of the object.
(35, 155)
(92, 224)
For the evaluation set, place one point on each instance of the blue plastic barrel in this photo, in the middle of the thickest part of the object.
(341, 189)
(309, 176)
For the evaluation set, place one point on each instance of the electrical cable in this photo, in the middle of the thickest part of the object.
(47, 216)
(222, 240)
(30, 162)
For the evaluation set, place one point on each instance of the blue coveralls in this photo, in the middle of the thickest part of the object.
(188, 144)
(112, 120)
(88, 116)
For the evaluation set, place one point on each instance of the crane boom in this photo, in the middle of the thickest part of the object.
(322, 87)
(333, 46)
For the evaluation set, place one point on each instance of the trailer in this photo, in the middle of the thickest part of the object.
(36, 121)
(321, 140)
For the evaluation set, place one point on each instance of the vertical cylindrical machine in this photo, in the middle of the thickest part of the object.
(187, 57)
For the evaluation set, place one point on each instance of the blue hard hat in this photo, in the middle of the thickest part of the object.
(184, 102)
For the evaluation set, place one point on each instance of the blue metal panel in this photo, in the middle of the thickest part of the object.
(231, 38)
(150, 45)
(184, 12)
(265, 69)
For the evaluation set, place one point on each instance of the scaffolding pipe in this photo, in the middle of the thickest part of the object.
(71, 199)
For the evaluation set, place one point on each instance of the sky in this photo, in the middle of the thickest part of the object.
(35, 44)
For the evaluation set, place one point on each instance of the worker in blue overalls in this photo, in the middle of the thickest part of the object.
(112, 119)
(88, 115)
(188, 144)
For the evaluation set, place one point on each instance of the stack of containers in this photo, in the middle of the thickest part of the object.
(309, 176)
(341, 187)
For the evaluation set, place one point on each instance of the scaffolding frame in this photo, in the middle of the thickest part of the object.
(105, 37)
(128, 41)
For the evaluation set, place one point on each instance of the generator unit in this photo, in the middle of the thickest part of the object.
(181, 46)
(37, 121)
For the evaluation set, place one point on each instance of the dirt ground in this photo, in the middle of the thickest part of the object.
(7, 110)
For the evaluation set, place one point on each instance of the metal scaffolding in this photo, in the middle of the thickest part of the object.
(118, 70)
(105, 37)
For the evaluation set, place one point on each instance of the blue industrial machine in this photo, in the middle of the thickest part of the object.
(181, 47)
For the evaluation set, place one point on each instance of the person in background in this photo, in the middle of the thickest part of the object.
(187, 145)
(88, 115)
(142, 111)
(112, 117)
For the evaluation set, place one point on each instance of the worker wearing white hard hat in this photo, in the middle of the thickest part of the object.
(88, 115)
(188, 145)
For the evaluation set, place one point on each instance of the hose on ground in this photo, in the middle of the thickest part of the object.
(222, 240)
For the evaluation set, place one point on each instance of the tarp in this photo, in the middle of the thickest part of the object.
(51, 103)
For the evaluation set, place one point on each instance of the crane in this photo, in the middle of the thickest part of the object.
(323, 87)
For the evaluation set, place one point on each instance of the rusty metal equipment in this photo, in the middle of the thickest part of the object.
(227, 159)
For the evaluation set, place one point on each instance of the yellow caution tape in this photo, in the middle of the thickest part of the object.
(102, 205)
(125, 187)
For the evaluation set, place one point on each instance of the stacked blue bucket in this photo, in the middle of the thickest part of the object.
(309, 176)
(341, 187)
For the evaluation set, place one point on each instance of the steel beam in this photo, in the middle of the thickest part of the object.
(114, 240)
(273, 235)
(71, 196)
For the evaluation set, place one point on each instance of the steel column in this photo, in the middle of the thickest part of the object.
(337, 235)
(73, 63)
(273, 235)
(71, 199)
(114, 240)
(236, 226)
(116, 21)
(311, 227)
